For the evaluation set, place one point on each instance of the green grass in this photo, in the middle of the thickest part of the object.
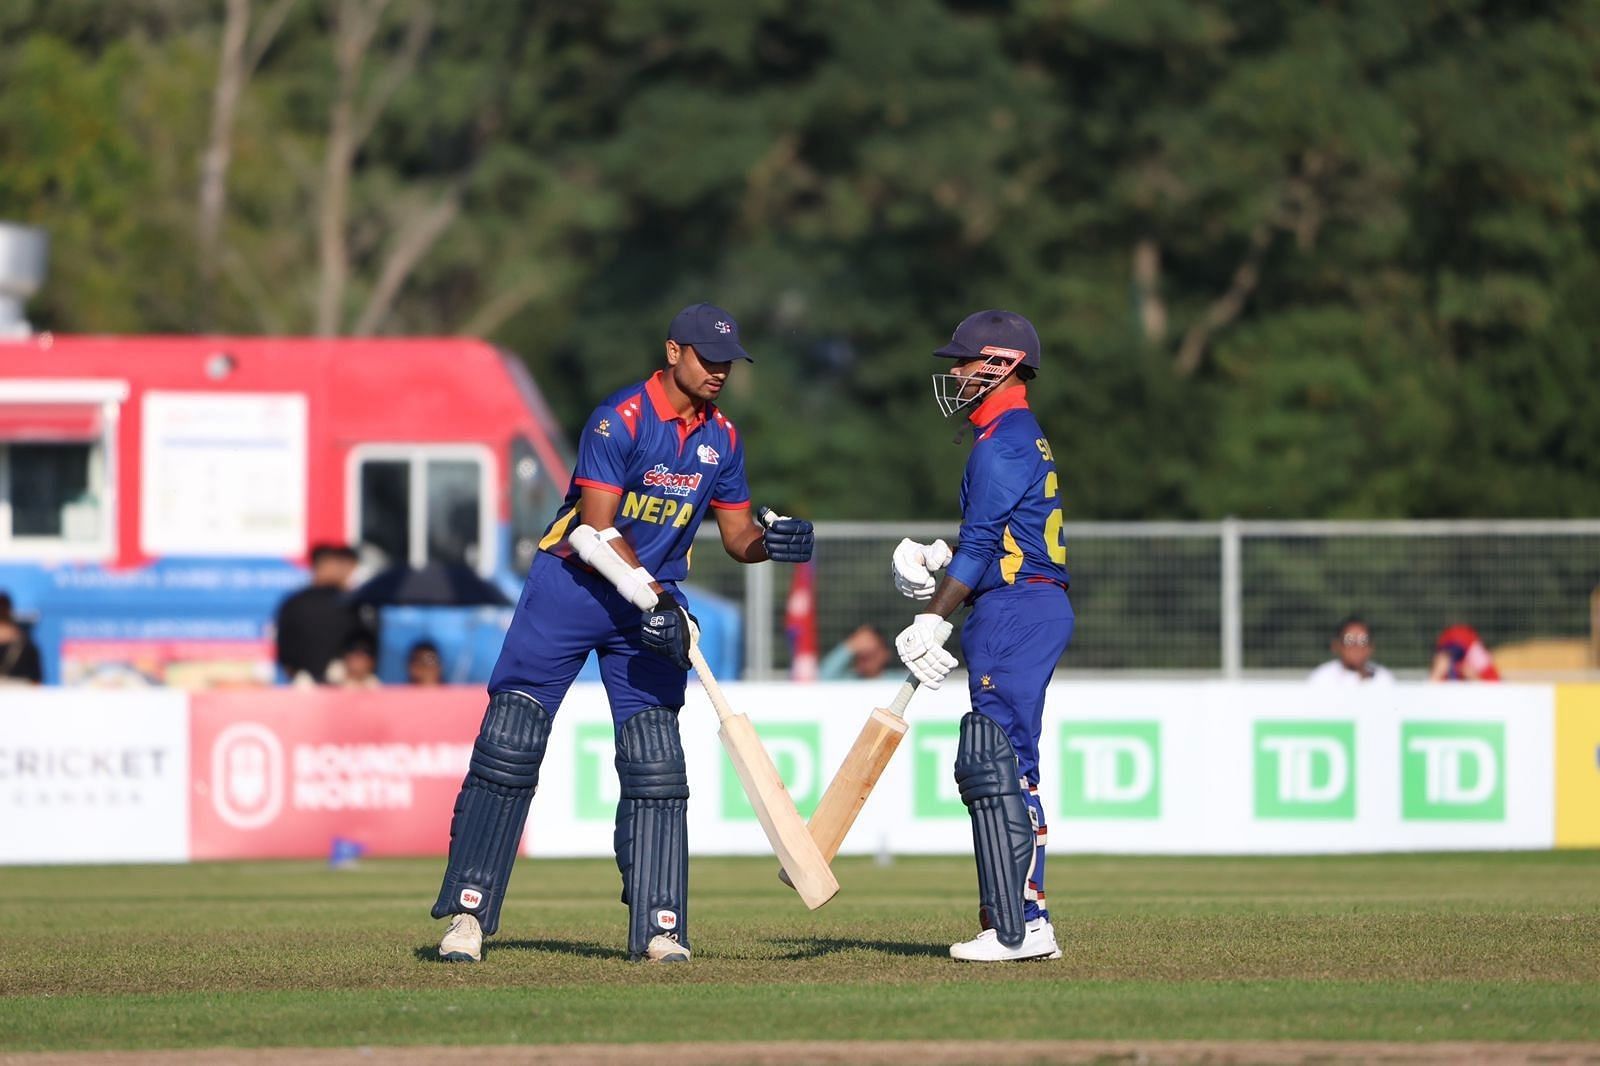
(1452, 947)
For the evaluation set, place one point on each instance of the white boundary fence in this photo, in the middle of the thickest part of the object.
(1189, 767)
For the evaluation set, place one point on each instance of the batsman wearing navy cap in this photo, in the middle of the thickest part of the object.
(652, 459)
(1011, 565)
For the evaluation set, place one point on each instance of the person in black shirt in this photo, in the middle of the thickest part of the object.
(19, 657)
(316, 624)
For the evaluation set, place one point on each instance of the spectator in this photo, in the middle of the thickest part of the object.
(315, 624)
(19, 658)
(1458, 655)
(1352, 662)
(863, 654)
(358, 663)
(423, 665)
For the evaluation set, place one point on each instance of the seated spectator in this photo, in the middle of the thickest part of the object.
(358, 665)
(1352, 662)
(19, 657)
(864, 654)
(316, 623)
(423, 665)
(1458, 655)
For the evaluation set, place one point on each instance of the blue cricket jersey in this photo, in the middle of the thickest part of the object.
(666, 469)
(1010, 500)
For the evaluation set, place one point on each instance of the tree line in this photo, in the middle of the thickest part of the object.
(1288, 258)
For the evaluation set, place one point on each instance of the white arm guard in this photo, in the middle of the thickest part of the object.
(595, 549)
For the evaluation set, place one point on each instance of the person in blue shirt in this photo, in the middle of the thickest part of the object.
(653, 459)
(1010, 564)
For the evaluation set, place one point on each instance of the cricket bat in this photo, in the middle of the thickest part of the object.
(791, 842)
(785, 829)
(858, 775)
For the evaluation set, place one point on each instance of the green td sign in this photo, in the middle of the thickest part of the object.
(933, 761)
(595, 777)
(796, 750)
(1111, 769)
(1453, 771)
(1305, 770)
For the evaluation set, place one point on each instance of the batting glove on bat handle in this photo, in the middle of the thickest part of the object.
(921, 648)
(787, 540)
(669, 630)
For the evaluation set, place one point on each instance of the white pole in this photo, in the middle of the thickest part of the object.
(1232, 607)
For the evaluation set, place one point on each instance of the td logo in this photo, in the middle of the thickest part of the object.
(1305, 769)
(1453, 771)
(933, 757)
(594, 775)
(796, 750)
(1111, 769)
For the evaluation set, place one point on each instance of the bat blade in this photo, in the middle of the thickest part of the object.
(786, 832)
(848, 791)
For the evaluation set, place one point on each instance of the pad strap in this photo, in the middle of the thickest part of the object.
(1003, 835)
(492, 808)
(652, 838)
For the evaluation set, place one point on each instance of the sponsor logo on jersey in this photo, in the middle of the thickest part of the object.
(471, 898)
(988, 685)
(672, 484)
(603, 427)
(708, 455)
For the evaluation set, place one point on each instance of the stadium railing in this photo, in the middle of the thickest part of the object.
(1235, 598)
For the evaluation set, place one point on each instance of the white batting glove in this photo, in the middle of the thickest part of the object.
(921, 648)
(913, 563)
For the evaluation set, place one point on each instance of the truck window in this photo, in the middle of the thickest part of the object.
(55, 498)
(535, 497)
(422, 504)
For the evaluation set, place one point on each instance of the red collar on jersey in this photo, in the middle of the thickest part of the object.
(998, 404)
(664, 409)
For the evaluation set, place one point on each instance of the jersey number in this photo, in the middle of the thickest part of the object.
(1054, 542)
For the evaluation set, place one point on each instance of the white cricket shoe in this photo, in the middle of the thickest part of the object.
(665, 949)
(463, 941)
(1038, 943)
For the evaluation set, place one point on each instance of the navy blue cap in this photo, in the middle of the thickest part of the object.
(984, 330)
(712, 331)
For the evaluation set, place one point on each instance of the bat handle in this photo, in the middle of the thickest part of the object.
(708, 681)
(908, 688)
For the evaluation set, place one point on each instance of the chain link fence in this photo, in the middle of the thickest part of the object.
(1232, 598)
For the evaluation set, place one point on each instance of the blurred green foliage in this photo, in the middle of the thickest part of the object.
(1288, 259)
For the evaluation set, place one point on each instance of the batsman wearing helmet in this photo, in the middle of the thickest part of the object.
(652, 458)
(1011, 565)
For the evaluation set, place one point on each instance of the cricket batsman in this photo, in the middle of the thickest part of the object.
(652, 458)
(1011, 565)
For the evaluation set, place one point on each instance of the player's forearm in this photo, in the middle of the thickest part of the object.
(948, 596)
(748, 546)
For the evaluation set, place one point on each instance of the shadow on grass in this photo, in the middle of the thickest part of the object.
(430, 952)
(787, 949)
(821, 946)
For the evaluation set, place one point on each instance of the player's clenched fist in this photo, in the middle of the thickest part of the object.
(669, 629)
(913, 563)
(921, 648)
(788, 540)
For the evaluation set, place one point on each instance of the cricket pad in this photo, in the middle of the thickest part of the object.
(1002, 831)
(652, 837)
(493, 807)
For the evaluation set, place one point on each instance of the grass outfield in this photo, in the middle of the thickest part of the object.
(1394, 948)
